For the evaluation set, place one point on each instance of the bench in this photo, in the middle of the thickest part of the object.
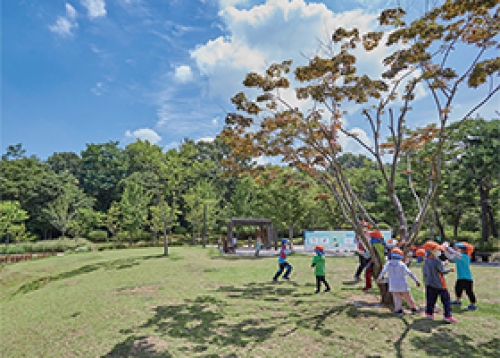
(485, 256)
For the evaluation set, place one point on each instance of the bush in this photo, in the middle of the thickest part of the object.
(180, 230)
(111, 246)
(384, 226)
(15, 249)
(82, 249)
(98, 235)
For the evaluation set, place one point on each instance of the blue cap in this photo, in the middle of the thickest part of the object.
(284, 242)
(460, 245)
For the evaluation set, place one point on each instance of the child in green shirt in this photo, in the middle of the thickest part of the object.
(318, 263)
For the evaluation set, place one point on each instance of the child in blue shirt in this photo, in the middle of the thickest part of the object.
(282, 262)
(464, 275)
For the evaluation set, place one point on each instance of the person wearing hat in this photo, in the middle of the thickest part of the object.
(464, 275)
(282, 261)
(398, 287)
(318, 263)
(377, 241)
(435, 284)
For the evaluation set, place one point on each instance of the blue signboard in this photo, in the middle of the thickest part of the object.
(334, 240)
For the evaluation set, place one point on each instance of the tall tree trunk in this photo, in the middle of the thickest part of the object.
(493, 225)
(290, 232)
(439, 224)
(483, 194)
(456, 224)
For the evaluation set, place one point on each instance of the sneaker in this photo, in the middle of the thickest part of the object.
(471, 308)
(451, 319)
(399, 313)
(431, 316)
(357, 278)
(456, 303)
(316, 292)
(415, 311)
(275, 280)
(286, 278)
(364, 289)
(327, 290)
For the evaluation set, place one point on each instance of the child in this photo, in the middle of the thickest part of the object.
(435, 284)
(318, 263)
(282, 262)
(398, 286)
(363, 261)
(464, 275)
(377, 241)
(258, 246)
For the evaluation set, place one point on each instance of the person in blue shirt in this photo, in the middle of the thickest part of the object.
(464, 275)
(282, 261)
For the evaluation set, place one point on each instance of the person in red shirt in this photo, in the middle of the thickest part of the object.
(363, 261)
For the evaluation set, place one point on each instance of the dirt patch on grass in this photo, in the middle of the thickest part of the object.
(139, 289)
(72, 283)
(367, 302)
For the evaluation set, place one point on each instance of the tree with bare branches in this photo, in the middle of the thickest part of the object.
(423, 56)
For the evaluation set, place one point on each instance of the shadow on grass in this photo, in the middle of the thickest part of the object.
(229, 257)
(199, 323)
(450, 344)
(257, 290)
(135, 346)
(107, 265)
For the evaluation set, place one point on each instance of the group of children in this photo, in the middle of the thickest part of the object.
(396, 269)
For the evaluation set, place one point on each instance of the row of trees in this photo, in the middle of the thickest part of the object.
(108, 190)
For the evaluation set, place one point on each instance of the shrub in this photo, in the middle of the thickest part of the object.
(180, 230)
(98, 235)
(15, 249)
(82, 249)
(384, 226)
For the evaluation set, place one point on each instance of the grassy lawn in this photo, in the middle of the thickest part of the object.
(137, 303)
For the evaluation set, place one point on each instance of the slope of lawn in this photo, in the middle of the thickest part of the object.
(138, 303)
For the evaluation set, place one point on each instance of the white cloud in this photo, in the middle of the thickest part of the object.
(95, 8)
(172, 145)
(65, 24)
(350, 145)
(183, 73)
(144, 134)
(278, 30)
(272, 32)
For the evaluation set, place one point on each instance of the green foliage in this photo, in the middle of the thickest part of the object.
(12, 219)
(63, 210)
(103, 167)
(180, 230)
(61, 245)
(98, 235)
(134, 207)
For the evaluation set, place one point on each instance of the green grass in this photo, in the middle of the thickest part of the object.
(137, 303)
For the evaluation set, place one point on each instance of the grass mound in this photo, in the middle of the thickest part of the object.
(137, 303)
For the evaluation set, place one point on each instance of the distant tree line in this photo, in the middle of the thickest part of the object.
(141, 192)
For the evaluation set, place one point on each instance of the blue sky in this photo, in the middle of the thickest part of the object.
(90, 71)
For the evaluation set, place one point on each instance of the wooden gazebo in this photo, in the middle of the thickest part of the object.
(251, 222)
